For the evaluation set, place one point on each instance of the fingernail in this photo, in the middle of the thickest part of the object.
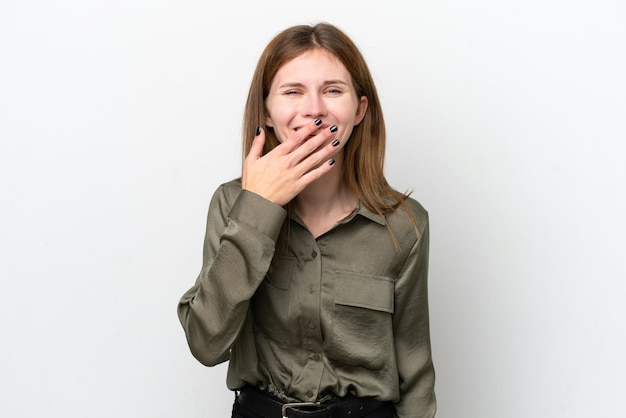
(335, 142)
(317, 122)
(333, 128)
(257, 132)
(331, 162)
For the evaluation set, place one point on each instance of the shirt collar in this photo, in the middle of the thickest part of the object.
(359, 210)
(372, 216)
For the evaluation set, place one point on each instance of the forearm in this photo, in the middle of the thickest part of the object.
(412, 336)
(236, 260)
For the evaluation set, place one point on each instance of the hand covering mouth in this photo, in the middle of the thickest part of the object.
(317, 131)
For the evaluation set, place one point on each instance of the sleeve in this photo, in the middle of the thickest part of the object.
(238, 248)
(412, 335)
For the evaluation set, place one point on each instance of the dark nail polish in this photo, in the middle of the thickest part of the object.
(335, 142)
(331, 162)
(333, 128)
(257, 132)
(317, 122)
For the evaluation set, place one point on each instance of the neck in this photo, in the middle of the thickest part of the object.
(326, 197)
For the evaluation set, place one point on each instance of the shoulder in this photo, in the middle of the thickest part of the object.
(409, 221)
(419, 213)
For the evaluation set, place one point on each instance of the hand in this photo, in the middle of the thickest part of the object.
(286, 170)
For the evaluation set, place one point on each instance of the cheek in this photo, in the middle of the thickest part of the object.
(346, 112)
(278, 118)
(347, 134)
(280, 126)
(279, 133)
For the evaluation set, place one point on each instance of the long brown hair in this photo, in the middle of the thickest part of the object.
(364, 153)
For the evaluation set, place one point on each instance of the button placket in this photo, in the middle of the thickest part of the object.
(309, 313)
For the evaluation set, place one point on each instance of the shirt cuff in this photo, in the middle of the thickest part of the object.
(259, 213)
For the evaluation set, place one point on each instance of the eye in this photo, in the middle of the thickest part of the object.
(334, 91)
(290, 92)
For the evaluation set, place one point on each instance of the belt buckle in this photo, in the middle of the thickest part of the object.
(297, 404)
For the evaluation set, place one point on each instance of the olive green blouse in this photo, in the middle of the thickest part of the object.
(346, 312)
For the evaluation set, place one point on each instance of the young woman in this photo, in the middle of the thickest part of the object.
(314, 279)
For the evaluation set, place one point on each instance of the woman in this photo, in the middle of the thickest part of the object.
(314, 279)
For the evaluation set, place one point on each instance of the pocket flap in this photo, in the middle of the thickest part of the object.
(364, 291)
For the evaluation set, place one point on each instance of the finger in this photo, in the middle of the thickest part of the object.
(256, 149)
(318, 158)
(317, 172)
(302, 135)
(316, 143)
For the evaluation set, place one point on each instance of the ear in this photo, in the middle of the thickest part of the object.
(268, 120)
(360, 110)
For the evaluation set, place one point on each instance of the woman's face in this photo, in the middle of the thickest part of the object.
(311, 86)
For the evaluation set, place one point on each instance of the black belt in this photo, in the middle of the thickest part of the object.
(269, 406)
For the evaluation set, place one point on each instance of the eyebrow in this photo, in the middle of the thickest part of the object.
(325, 83)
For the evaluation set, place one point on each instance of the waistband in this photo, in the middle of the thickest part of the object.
(270, 406)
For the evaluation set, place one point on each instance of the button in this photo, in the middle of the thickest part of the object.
(309, 394)
(311, 288)
(315, 357)
(311, 325)
(313, 253)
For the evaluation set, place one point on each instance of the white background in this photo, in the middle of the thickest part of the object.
(119, 118)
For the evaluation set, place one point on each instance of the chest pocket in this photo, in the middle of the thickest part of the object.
(363, 291)
(271, 302)
(362, 328)
(280, 275)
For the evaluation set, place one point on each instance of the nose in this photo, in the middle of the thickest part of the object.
(314, 106)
